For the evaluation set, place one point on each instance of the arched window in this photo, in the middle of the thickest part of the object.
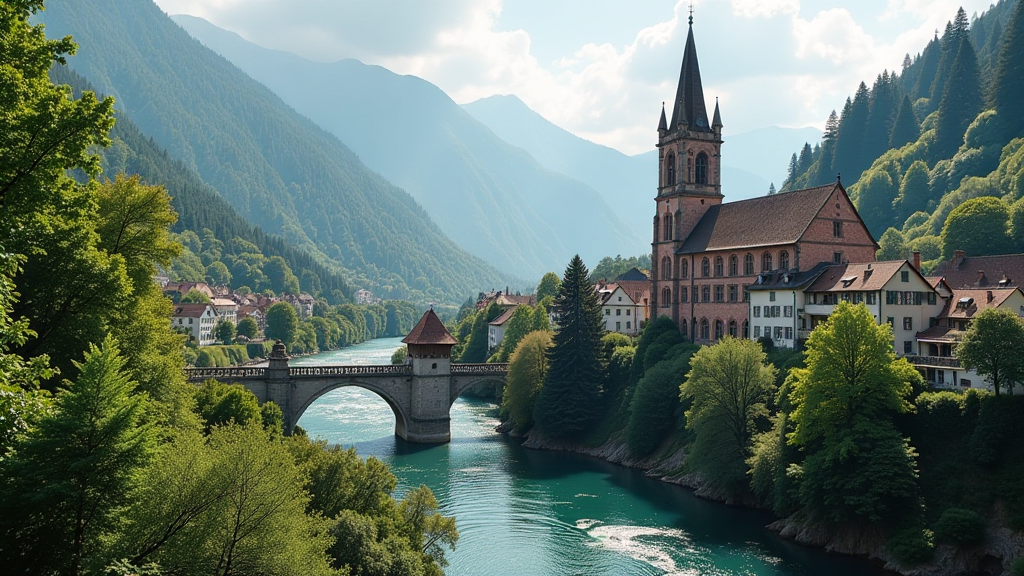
(734, 265)
(746, 329)
(701, 172)
(718, 330)
(670, 170)
(732, 328)
(678, 233)
(718, 266)
(684, 268)
(682, 327)
(657, 227)
(666, 268)
(666, 297)
(748, 265)
(783, 260)
(705, 268)
(766, 262)
(668, 227)
(705, 333)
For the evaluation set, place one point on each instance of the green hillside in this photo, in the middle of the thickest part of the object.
(925, 142)
(276, 168)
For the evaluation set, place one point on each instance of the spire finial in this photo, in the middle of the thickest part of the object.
(691, 13)
(839, 177)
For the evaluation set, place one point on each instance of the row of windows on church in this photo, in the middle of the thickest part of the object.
(702, 329)
(696, 169)
(707, 293)
(767, 265)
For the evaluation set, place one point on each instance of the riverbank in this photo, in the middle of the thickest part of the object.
(667, 464)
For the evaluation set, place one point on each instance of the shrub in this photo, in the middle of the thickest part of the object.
(960, 526)
(911, 546)
(1017, 568)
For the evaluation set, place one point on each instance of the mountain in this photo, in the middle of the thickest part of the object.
(751, 160)
(278, 169)
(491, 197)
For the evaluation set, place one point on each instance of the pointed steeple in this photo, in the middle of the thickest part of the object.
(688, 107)
(662, 124)
(717, 122)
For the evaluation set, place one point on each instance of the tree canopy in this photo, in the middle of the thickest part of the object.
(994, 347)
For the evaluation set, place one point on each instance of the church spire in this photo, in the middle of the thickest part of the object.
(717, 122)
(662, 124)
(688, 107)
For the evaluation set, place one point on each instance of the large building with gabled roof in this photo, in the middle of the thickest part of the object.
(705, 253)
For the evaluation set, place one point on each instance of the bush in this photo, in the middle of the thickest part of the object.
(1017, 568)
(960, 526)
(652, 412)
(911, 546)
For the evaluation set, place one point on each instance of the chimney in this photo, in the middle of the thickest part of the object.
(989, 295)
(958, 257)
(981, 278)
(917, 260)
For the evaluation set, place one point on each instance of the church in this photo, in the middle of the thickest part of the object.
(706, 253)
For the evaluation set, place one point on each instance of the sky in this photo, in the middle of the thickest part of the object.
(602, 68)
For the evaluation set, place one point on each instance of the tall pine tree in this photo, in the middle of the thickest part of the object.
(569, 401)
(1008, 84)
(849, 158)
(961, 102)
(928, 67)
(906, 128)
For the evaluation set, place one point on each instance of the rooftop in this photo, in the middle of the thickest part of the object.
(430, 330)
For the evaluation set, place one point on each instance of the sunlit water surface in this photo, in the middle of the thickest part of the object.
(525, 512)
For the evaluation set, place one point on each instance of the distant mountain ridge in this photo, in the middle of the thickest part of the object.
(277, 168)
(492, 198)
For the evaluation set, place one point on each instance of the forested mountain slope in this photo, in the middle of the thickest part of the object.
(924, 142)
(492, 198)
(275, 167)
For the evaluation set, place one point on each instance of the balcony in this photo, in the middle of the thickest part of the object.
(803, 334)
(934, 361)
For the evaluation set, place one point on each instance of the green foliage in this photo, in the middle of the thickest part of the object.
(994, 347)
(978, 227)
(911, 546)
(194, 296)
(876, 195)
(1007, 84)
(400, 354)
(1017, 567)
(961, 101)
(891, 246)
(609, 268)
(915, 190)
(219, 404)
(526, 371)
(518, 326)
(858, 466)
(68, 479)
(570, 400)
(768, 464)
(959, 526)
(282, 322)
(224, 331)
(653, 331)
(217, 274)
(548, 286)
(654, 409)
(728, 386)
(247, 327)
(475, 350)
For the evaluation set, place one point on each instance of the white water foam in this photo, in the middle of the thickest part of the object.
(634, 542)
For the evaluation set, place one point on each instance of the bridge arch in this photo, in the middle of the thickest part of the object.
(461, 384)
(396, 399)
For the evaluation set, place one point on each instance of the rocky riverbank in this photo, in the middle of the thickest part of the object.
(667, 465)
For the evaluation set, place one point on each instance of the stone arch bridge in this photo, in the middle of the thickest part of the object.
(420, 393)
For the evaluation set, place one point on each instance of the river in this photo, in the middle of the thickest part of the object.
(532, 513)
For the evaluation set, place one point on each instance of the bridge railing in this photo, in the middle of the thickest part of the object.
(494, 368)
(225, 373)
(371, 370)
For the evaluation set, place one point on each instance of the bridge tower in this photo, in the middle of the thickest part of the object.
(430, 351)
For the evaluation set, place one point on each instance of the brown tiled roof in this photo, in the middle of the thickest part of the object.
(516, 300)
(503, 318)
(634, 274)
(430, 330)
(939, 334)
(980, 301)
(638, 290)
(868, 276)
(783, 280)
(982, 271)
(764, 221)
(190, 310)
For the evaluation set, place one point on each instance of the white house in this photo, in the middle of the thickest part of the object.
(619, 310)
(776, 304)
(196, 320)
(936, 358)
(496, 329)
(225, 308)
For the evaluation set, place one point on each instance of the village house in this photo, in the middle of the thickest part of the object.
(196, 320)
(705, 253)
(496, 329)
(618, 309)
(225, 309)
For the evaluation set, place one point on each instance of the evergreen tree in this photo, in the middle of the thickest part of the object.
(791, 172)
(850, 154)
(875, 195)
(74, 472)
(949, 48)
(1008, 83)
(771, 189)
(914, 191)
(885, 104)
(906, 128)
(570, 400)
(961, 102)
(806, 158)
(928, 66)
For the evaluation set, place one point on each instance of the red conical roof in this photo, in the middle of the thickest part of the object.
(430, 330)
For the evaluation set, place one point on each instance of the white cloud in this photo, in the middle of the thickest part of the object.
(764, 8)
(833, 35)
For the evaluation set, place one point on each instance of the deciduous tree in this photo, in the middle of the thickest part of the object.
(526, 371)
(994, 346)
(548, 286)
(282, 322)
(979, 227)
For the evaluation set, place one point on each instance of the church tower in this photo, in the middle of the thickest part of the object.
(689, 180)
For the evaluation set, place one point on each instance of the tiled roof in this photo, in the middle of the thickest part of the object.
(781, 280)
(634, 274)
(516, 299)
(189, 310)
(430, 330)
(974, 301)
(939, 334)
(764, 221)
(503, 318)
(982, 271)
(638, 290)
(866, 277)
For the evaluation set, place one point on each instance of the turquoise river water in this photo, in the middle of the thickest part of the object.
(534, 513)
